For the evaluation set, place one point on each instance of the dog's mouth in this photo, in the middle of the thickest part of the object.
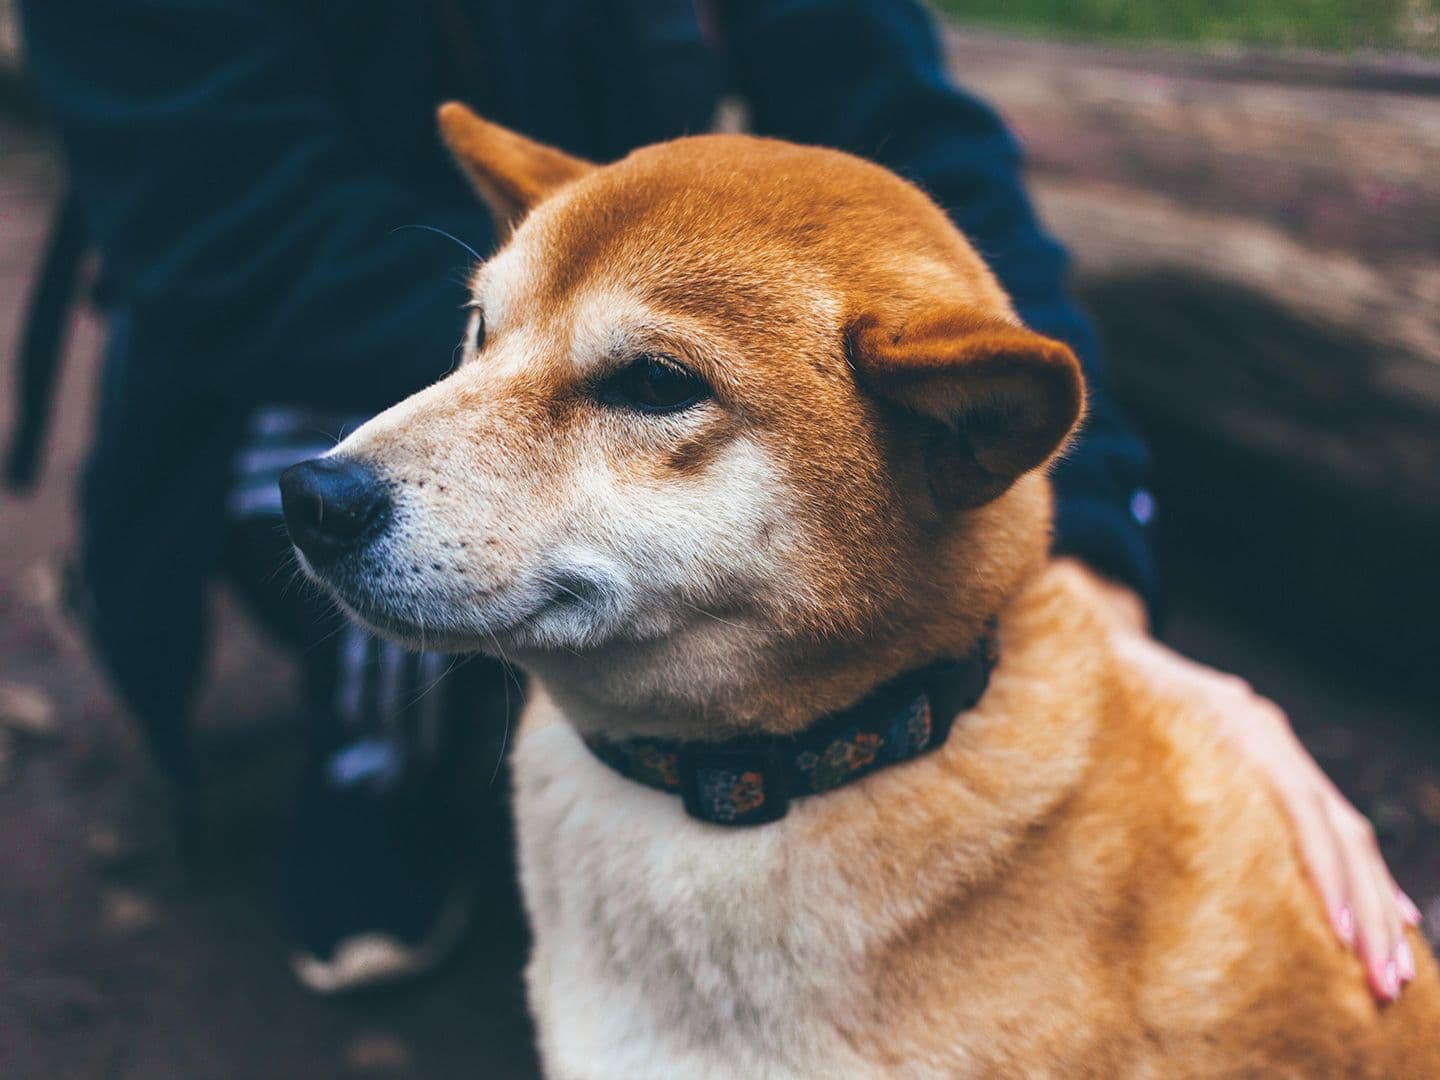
(551, 607)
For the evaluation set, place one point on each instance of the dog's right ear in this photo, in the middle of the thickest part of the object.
(510, 172)
(995, 399)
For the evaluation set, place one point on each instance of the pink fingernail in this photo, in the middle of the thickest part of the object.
(1408, 911)
(1390, 981)
(1345, 925)
(1405, 961)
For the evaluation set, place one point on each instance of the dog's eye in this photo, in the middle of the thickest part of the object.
(475, 332)
(654, 384)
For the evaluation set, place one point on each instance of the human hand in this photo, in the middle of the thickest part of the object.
(1367, 909)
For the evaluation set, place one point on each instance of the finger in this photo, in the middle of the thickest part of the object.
(1391, 891)
(1405, 961)
(1402, 959)
(1404, 954)
(1358, 836)
(1399, 919)
(1323, 859)
(1375, 912)
(1395, 915)
(1408, 909)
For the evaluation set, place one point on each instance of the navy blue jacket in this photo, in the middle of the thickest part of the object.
(243, 165)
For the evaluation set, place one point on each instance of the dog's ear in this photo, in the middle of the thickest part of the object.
(998, 400)
(510, 172)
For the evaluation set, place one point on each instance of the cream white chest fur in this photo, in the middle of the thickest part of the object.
(666, 947)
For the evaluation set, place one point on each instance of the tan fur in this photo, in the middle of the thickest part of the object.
(1104, 890)
(1083, 881)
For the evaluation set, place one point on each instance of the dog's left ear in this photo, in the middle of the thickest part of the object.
(510, 172)
(1000, 399)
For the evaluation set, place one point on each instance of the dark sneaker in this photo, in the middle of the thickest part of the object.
(377, 884)
(381, 871)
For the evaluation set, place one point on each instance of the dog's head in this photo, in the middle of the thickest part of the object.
(728, 408)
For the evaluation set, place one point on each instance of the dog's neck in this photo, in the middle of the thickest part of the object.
(777, 693)
(709, 687)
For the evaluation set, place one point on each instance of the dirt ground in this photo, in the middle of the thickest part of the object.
(116, 964)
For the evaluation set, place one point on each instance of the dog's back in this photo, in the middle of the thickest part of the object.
(1230, 941)
(1236, 969)
(1149, 915)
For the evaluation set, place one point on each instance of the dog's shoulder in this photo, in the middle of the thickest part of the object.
(1235, 961)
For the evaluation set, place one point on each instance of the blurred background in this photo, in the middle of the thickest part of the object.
(1251, 192)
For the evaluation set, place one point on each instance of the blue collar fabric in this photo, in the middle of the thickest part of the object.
(750, 780)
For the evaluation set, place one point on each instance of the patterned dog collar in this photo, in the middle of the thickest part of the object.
(751, 780)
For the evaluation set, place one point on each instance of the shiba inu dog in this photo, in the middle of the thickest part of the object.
(826, 770)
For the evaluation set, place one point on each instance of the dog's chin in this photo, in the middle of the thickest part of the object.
(436, 631)
(551, 622)
(408, 633)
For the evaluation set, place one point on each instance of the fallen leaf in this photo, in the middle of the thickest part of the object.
(376, 1051)
(42, 585)
(1427, 801)
(126, 912)
(28, 711)
(107, 846)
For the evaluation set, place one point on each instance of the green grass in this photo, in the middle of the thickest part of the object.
(1319, 24)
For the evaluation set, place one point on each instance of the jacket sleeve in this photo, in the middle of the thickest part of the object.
(867, 76)
(236, 219)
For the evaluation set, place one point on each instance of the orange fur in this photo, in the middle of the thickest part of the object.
(1084, 881)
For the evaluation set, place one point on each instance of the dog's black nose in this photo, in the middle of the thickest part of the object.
(331, 505)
